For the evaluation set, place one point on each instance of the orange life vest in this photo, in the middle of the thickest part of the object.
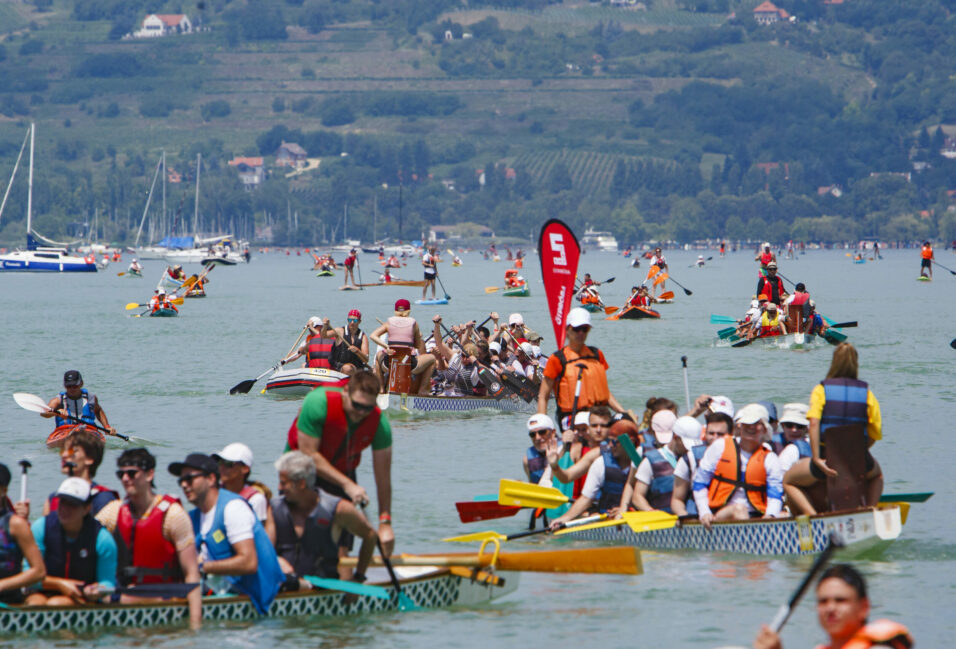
(880, 632)
(926, 252)
(729, 476)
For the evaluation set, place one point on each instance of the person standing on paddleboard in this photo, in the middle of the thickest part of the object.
(350, 268)
(429, 261)
(659, 261)
(926, 260)
(76, 401)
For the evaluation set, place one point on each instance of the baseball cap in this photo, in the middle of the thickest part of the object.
(494, 347)
(662, 423)
(4, 476)
(582, 417)
(772, 307)
(770, 408)
(355, 313)
(74, 490)
(751, 414)
(578, 317)
(772, 264)
(235, 452)
(515, 319)
(527, 349)
(315, 321)
(761, 298)
(536, 351)
(688, 429)
(540, 422)
(199, 461)
(403, 305)
(722, 404)
(795, 413)
(72, 377)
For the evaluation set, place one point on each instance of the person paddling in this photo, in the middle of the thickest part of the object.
(318, 345)
(76, 401)
(429, 263)
(135, 268)
(350, 262)
(235, 467)
(16, 544)
(926, 260)
(351, 345)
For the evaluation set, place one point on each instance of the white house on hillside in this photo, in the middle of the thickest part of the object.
(155, 25)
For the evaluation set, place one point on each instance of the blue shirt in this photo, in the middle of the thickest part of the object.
(105, 552)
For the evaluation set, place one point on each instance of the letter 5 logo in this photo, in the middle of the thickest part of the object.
(557, 246)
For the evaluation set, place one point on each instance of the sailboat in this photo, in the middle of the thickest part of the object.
(36, 257)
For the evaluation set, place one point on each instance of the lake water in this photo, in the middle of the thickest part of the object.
(166, 380)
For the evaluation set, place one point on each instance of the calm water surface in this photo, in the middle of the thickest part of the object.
(166, 380)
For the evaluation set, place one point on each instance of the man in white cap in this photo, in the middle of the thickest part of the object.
(577, 363)
(318, 347)
(652, 484)
(793, 442)
(235, 466)
(737, 480)
(535, 462)
(717, 424)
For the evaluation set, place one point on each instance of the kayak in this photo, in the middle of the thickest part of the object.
(223, 261)
(593, 308)
(413, 403)
(60, 433)
(325, 273)
(167, 281)
(298, 382)
(164, 313)
(517, 291)
(438, 300)
(634, 313)
(862, 530)
(427, 586)
(133, 273)
(859, 261)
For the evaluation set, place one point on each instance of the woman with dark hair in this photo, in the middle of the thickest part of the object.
(841, 399)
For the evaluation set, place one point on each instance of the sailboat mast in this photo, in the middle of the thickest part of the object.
(162, 219)
(196, 213)
(30, 183)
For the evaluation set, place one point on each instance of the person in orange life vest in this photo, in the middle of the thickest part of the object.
(235, 466)
(351, 346)
(152, 531)
(843, 609)
(403, 333)
(739, 478)
(164, 302)
(772, 286)
(16, 544)
(592, 444)
(511, 278)
(562, 371)
(840, 399)
(154, 301)
(350, 262)
(718, 424)
(334, 426)
(604, 486)
(765, 258)
(589, 295)
(81, 456)
(926, 260)
(76, 402)
(658, 260)
(317, 347)
(769, 324)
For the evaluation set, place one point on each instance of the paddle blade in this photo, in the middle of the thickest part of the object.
(653, 270)
(177, 300)
(687, 291)
(349, 587)
(608, 561)
(742, 343)
(608, 310)
(722, 319)
(160, 591)
(646, 521)
(120, 274)
(907, 498)
(660, 279)
(525, 494)
(133, 305)
(471, 512)
(492, 289)
(29, 401)
(476, 537)
(667, 295)
(609, 280)
(243, 387)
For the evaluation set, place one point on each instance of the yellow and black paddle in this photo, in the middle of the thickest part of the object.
(134, 305)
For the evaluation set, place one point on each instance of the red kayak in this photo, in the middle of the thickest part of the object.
(60, 433)
(634, 313)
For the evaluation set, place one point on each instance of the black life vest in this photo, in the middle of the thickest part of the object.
(315, 552)
(74, 559)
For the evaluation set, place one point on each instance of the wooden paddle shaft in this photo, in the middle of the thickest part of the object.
(613, 560)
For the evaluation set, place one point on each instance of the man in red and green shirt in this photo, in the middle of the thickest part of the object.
(334, 426)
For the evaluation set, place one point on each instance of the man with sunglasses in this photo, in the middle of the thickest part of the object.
(350, 352)
(793, 442)
(535, 461)
(576, 361)
(153, 533)
(235, 553)
(334, 426)
(76, 402)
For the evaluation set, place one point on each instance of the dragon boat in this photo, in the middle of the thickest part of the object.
(414, 403)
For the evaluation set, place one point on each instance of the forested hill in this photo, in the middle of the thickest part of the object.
(657, 120)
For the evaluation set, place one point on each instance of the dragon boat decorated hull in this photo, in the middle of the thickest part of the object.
(298, 382)
(414, 403)
(428, 587)
(861, 530)
(518, 291)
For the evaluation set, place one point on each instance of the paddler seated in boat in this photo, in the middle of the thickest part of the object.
(177, 273)
(770, 324)
(604, 486)
(541, 430)
(740, 479)
(235, 467)
(310, 523)
(652, 485)
(80, 457)
(792, 443)
(317, 347)
(593, 443)
(576, 362)
(235, 553)
(523, 361)
(135, 268)
(700, 261)
(386, 277)
(843, 610)
(461, 376)
(334, 426)
(393, 262)
(351, 345)
(404, 335)
(800, 298)
(511, 278)
(79, 554)
(771, 285)
(640, 296)
(163, 302)
(16, 544)
(589, 295)
(76, 402)
(841, 399)
(153, 533)
(815, 324)
(717, 425)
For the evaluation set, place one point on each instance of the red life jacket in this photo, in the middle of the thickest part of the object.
(799, 299)
(766, 258)
(772, 287)
(319, 352)
(342, 449)
(149, 558)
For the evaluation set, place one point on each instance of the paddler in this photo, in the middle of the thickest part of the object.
(737, 480)
(152, 532)
(75, 401)
(926, 260)
(800, 298)
(717, 425)
(771, 285)
(162, 301)
(765, 257)
(350, 262)
(317, 347)
(541, 430)
(386, 277)
(235, 466)
(460, 378)
(658, 260)
(351, 345)
(641, 297)
(843, 610)
(814, 324)
(593, 444)
(135, 268)
(652, 485)
(79, 554)
(429, 263)
(80, 457)
(769, 324)
(792, 443)
(16, 544)
(393, 262)
(310, 523)
(235, 553)
(403, 334)
(841, 399)
(576, 362)
(177, 273)
(334, 426)
(700, 261)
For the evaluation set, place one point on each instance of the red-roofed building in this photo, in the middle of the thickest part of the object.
(155, 25)
(251, 171)
(769, 13)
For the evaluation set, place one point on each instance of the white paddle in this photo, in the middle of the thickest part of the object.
(32, 402)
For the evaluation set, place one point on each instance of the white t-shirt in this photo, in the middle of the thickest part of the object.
(708, 465)
(788, 457)
(595, 479)
(259, 505)
(427, 259)
(645, 473)
(238, 520)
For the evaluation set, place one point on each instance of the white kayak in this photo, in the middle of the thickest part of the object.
(299, 381)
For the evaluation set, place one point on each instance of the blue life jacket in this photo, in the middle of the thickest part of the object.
(814, 324)
(779, 442)
(74, 559)
(615, 478)
(81, 408)
(262, 586)
(11, 557)
(845, 403)
(537, 463)
(662, 484)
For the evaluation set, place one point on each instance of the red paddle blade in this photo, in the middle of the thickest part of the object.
(473, 511)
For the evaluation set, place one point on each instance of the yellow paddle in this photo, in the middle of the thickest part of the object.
(623, 560)
(637, 521)
(134, 305)
(490, 535)
(525, 494)
(492, 289)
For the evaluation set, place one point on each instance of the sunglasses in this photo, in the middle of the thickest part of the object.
(538, 433)
(791, 425)
(364, 407)
(353, 320)
(582, 329)
(188, 479)
(227, 464)
(127, 473)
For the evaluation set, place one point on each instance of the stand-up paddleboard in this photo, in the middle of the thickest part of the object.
(439, 300)
(924, 278)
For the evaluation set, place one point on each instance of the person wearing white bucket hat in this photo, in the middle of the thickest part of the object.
(653, 482)
(541, 430)
(719, 492)
(792, 442)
